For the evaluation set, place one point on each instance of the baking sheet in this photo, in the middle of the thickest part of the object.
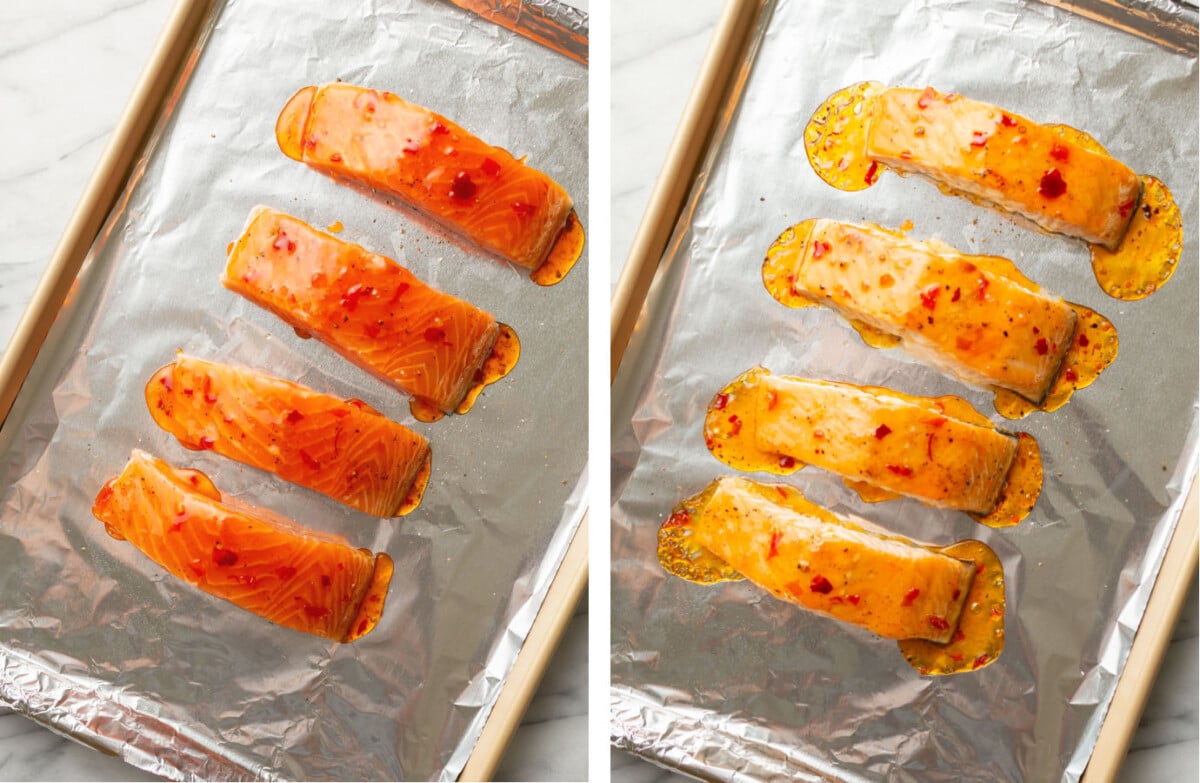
(724, 682)
(101, 643)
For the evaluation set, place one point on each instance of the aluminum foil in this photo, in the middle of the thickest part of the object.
(101, 643)
(727, 683)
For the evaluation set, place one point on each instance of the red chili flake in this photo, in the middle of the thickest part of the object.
(210, 397)
(1059, 152)
(294, 416)
(285, 572)
(872, 171)
(354, 293)
(523, 209)
(223, 557)
(356, 402)
(938, 622)
(882, 431)
(910, 596)
(197, 567)
(956, 657)
(680, 518)
(819, 434)
(782, 492)
(195, 479)
(1042, 346)
(1037, 330)
(979, 569)
(1052, 184)
(207, 442)
(490, 167)
(175, 527)
(1069, 375)
(776, 537)
(399, 292)
(978, 139)
(461, 187)
(955, 296)
(720, 401)
(786, 462)
(936, 421)
(167, 383)
(772, 400)
(980, 661)
(310, 143)
(981, 290)
(1083, 341)
(309, 461)
(315, 612)
(905, 155)
(373, 329)
(435, 334)
(996, 612)
(929, 297)
(440, 128)
(1127, 207)
(820, 585)
(737, 424)
(959, 635)
(1007, 121)
(820, 248)
(900, 470)
(854, 598)
(963, 343)
(325, 580)
(188, 392)
(926, 98)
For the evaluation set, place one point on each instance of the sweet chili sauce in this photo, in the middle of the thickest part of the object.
(565, 251)
(729, 429)
(681, 556)
(979, 638)
(504, 355)
(1093, 347)
(417, 490)
(835, 141)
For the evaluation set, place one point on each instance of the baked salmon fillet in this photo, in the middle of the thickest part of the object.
(805, 554)
(975, 318)
(301, 579)
(938, 450)
(384, 142)
(341, 448)
(368, 308)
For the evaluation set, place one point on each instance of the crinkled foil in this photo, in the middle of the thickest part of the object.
(727, 683)
(101, 643)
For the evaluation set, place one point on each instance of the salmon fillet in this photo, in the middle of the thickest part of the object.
(975, 318)
(382, 141)
(301, 579)
(341, 448)
(805, 554)
(366, 307)
(980, 150)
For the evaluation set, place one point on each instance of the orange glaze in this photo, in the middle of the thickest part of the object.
(341, 448)
(976, 318)
(1054, 176)
(366, 307)
(384, 142)
(884, 444)
(297, 578)
(945, 605)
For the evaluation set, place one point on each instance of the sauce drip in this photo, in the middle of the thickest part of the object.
(1149, 254)
(565, 251)
(979, 639)
(681, 556)
(729, 429)
(836, 138)
(371, 608)
(417, 490)
(499, 363)
(781, 257)
(1093, 347)
(1021, 487)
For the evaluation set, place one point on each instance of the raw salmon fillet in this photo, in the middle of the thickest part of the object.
(340, 448)
(297, 578)
(975, 318)
(382, 141)
(1032, 170)
(805, 554)
(366, 307)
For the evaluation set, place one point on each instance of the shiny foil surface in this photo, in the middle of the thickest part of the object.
(101, 643)
(725, 682)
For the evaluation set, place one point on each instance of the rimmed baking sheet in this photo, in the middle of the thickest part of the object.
(724, 681)
(102, 644)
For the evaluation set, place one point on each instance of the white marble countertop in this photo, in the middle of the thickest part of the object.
(657, 50)
(66, 70)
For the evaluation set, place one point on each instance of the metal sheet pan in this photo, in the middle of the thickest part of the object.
(723, 682)
(99, 642)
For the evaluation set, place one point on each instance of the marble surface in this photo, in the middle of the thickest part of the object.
(657, 49)
(66, 70)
